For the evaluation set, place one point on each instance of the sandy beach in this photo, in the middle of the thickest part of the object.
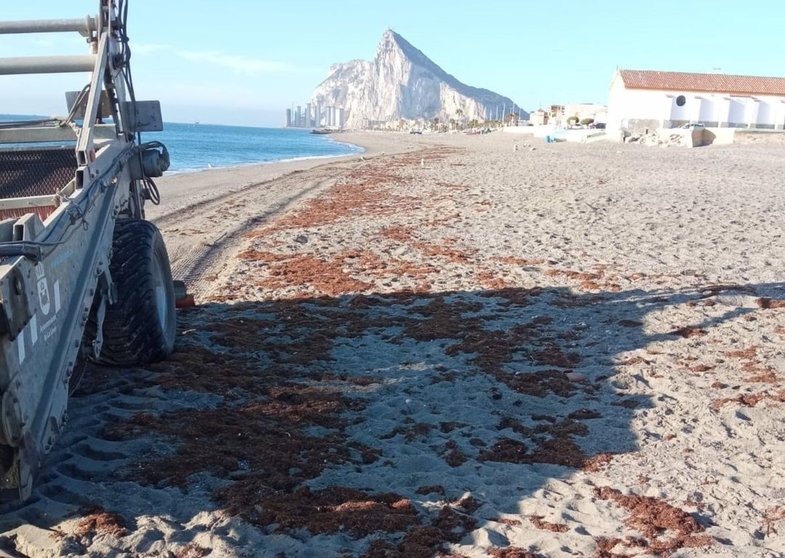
(451, 345)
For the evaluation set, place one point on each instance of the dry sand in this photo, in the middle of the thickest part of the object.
(204, 214)
(460, 349)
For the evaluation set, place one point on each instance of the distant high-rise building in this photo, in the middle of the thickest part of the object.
(315, 115)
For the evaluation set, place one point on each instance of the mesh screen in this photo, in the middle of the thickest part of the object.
(35, 172)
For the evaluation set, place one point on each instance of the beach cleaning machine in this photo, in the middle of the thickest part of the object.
(83, 277)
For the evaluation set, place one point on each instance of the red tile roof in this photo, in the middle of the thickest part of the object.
(709, 83)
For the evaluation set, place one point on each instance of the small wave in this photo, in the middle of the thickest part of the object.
(210, 167)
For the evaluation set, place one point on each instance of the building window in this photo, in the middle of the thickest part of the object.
(680, 100)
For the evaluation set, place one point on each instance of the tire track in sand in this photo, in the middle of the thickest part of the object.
(200, 237)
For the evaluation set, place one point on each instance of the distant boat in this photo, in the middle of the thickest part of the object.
(322, 131)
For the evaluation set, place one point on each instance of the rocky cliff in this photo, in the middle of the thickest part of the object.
(401, 82)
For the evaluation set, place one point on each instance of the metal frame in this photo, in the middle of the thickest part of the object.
(40, 134)
(46, 65)
(84, 27)
(52, 272)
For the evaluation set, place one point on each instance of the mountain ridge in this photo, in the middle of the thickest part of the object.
(451, 79)
(401, 82)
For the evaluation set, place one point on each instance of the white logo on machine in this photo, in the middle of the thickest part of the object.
(44, 301)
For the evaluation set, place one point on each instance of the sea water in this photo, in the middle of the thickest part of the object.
(200, 146)
(194, 147)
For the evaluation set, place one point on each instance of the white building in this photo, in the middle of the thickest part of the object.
(645, 99)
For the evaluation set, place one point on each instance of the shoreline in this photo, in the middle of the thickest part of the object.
(181, 190)
(262, 163)
(359, 150)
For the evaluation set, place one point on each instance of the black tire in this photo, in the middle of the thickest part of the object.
(140, 327)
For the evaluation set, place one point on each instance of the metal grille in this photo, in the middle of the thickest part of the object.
(35, 172)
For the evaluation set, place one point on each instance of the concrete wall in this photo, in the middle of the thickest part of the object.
(578, 135)
(536, 131)
(637, 126)
(711, 136)
(760, 136)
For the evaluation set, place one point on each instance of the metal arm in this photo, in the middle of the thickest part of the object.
(46, 64)
(82, 26)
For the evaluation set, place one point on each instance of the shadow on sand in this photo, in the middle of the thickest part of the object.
(381, 424)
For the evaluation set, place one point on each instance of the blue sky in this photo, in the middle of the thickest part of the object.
(245, 61)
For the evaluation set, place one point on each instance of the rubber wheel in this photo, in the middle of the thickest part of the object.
(140, 327)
